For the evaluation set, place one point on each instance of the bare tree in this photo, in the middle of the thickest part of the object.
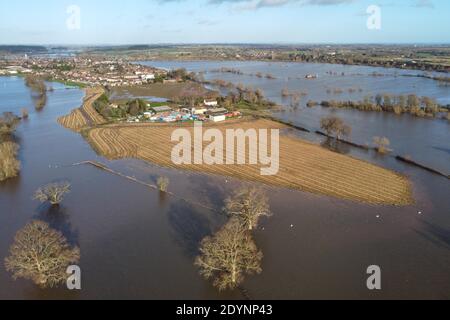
(241, 91)
(260, 95)
(295, 100)
(39, 102)
(285, 92)
(382, 144)
(41, 254)
(412, 101)
(163, 184)
(248, 205)
(9, 165)
(25, 113)
(335, 125)
(8, 123)
(387, 101)
(39, 90)
(311, 104)
(228, 256)
(53, 193)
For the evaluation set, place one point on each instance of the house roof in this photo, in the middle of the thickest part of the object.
(162, 109)
(218, 111)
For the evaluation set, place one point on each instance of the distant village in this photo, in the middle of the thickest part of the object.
(114, 72)
(85, 71)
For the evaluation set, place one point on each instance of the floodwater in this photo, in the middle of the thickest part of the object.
(425, 140)
(136, 243)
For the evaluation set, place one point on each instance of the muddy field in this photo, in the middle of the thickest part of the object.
(303, 166)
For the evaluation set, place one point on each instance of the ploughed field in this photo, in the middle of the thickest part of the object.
(303, 166)
(86, 115)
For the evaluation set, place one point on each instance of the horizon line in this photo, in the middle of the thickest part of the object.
(222, 43)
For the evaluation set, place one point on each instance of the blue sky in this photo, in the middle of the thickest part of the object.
(223, 21)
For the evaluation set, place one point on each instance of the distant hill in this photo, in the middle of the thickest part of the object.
(22, 49)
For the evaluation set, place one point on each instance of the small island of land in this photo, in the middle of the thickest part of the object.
(303, 165)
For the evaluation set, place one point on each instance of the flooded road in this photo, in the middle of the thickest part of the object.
(136, 243)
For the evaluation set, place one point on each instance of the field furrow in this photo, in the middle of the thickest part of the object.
(303, 165)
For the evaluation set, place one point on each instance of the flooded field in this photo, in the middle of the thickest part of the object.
(425, 140)
(136, 243)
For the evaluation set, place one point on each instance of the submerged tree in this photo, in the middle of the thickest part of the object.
(248, 205)
(41, 254)
(228, 256)
(382, 144)
(53, 192)
(334, 125)
(163, 184)
(39, 102)
(8, 123)
(311, 104)
(25, 113)
(39, 90)
(259, 95)
(285, 92)
(9, 164)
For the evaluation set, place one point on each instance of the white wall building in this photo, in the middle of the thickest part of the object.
(217, 118)
(148, 77)
(198, 111)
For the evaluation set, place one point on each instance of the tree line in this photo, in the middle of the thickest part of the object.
(336, 128)
(42, 254)
(9, 163)
(38, 90)
(39, 253)
(401, 104)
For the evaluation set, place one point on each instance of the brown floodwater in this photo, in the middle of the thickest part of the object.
(136, 243)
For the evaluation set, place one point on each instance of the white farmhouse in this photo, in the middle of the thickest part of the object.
(148, 77)
(210, 103)
(218, 115)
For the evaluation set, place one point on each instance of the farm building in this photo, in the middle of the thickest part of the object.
(218, 115)
(162, 109)
(199, 110)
